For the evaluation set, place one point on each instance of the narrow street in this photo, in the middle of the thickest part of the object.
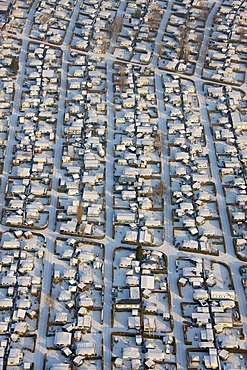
(109, 241)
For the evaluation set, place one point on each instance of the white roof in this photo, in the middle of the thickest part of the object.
(62, 339)
(147, 282)
(60, 366)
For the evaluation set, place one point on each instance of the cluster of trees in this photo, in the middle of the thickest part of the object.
(155, 17)
(49, 301)
(14, 66)
(104, 46)
(123, 77)
(113, 30)
(79, 215)
(115, 27)
(160, 189)
(242, 33)
(159, 141)
(183, 40)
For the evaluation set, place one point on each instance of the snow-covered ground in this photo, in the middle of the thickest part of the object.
(111, 331)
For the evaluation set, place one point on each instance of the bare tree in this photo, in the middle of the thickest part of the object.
(242, 33)
(139, 253)
(160, 189)
(115, 27)
(79, 213)
(182, 38)
(50, 302)
(155, 16)
(80, 186)
(104, 46)
(160, 52)
(200, 38)
(205, 10)
(159, 141)
(14, 66)
(186, 51)
(138, 13)
(122, 78)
